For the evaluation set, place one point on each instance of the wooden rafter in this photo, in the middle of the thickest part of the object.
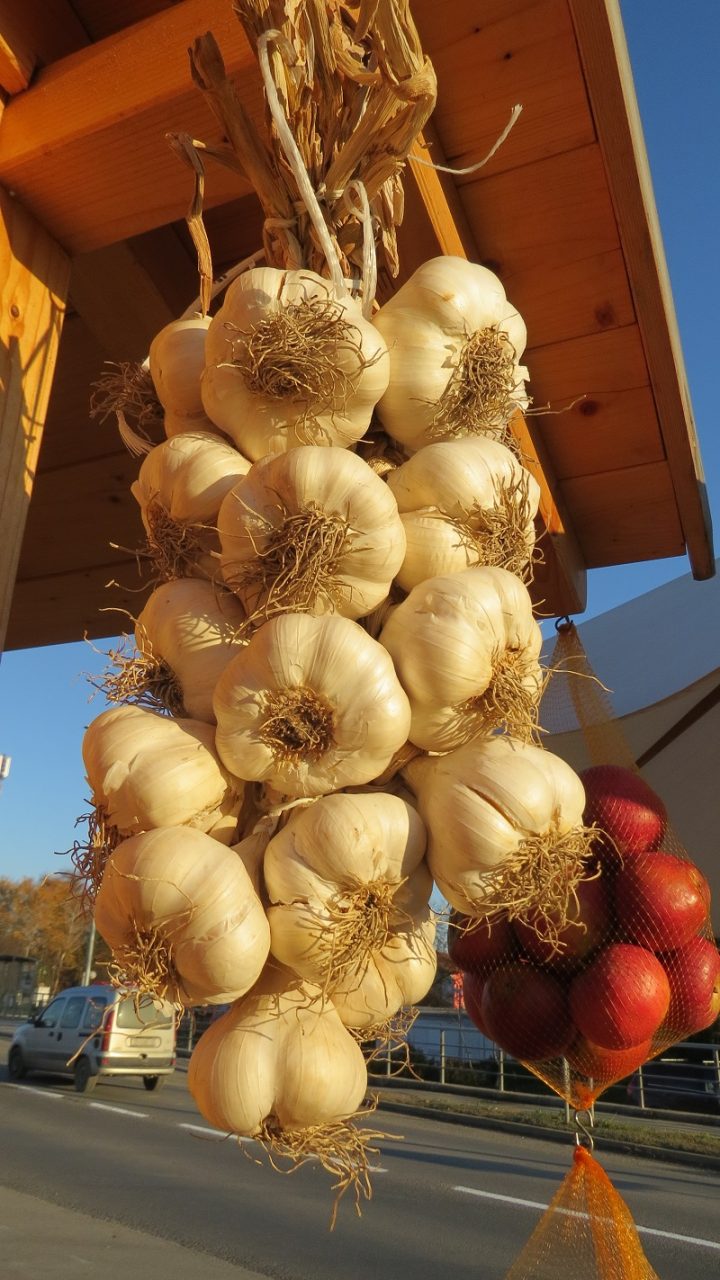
(85, 146)
(32, 33)
(606, 64)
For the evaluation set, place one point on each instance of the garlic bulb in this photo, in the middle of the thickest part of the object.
(287, 364)
(312, 529)
(505, 829)
(350, 891)
(180, 488)
(463, 503)
(147, 771)
(397, 975)
(279, 1060)
(177, 360)
(454, 343)
(182, 918)
(177, 424)
(186, 635)
(465, 649)
(309, 706)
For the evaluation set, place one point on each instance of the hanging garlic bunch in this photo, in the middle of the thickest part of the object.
(148, 771)
(182, 918)
(185, 636)
(505, 830)
(179, 489)
(466, 649)
(454, 343)
(287, 363)
(313, 529)
(176, 362)
(309, 706)
(281, 1068)
(463, 503)
(350, 891)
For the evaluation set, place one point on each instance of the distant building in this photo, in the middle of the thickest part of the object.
(17, 982)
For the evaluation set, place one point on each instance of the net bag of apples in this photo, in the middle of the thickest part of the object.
(634, 970)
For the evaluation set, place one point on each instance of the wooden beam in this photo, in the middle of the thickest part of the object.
(34, 274)
(35, 32)
(608, 74)
(560, 586)
(85, 148)
(121, 305)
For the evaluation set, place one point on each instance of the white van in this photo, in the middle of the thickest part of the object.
(115, 1036)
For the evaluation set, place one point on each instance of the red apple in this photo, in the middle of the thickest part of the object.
(621, 998)
(473, 986)
(588, 926)
(478, 947)
(525, 1011)
(622, 804)
(660, 901)
(694, 975)
(604, 1066)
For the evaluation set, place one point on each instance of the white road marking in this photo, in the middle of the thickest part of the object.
(123, 1111)
(29, 1088)
(213, 1133)
(571, 1213)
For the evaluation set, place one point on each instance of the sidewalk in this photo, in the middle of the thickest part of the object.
(85, 1246)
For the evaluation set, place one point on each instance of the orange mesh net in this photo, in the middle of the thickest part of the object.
(635, 968)
(587, 1231)
(632, 970)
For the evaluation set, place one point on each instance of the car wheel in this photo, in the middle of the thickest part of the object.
(84, 1079)
(16, 1063)
(154, 1082)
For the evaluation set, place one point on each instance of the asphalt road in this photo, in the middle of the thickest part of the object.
(445, 1197)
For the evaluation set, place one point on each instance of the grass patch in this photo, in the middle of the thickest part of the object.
(620, 1130)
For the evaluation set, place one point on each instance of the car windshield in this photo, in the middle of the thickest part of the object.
(132, 1014)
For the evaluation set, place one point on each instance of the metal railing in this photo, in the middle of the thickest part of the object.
(686, 1077)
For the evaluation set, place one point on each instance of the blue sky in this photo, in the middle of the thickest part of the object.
(44, 697)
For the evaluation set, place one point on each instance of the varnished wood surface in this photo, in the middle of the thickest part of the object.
(563, 212)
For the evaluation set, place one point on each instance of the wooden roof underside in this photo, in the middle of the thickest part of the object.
(563, 213)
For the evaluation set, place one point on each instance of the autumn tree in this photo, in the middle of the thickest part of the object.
(42, 919)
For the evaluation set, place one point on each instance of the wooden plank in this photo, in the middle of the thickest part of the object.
(625, 516)
(77, 513)
(121, 305)
(32, 33)
(64, 607)
(170, 261)
(606, 63)
(551, 213)
(109, 16)
(492, 55)
(576, 298)
(439, 195)
(615, 422)
(33, 283)
(85, 146)
(69, 435)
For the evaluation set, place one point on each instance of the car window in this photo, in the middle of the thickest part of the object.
(72, 1012)
(131, 1014)
(51, 1015)
(94, 1011)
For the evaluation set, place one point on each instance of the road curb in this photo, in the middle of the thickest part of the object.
(692, 1159)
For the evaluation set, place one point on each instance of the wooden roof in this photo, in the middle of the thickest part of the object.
(563, 212)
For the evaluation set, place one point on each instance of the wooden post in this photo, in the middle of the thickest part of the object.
(34, 274)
